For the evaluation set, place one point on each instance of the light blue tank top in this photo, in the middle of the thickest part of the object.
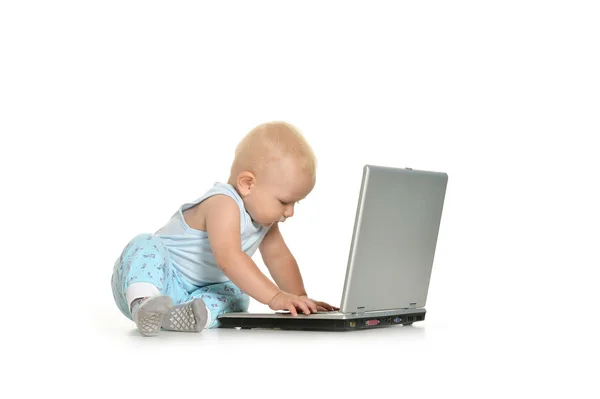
(189, 248)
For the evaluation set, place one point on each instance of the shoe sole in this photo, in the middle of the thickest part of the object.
(187, 317)
(150, 315)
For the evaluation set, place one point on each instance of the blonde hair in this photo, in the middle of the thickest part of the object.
(272, 141)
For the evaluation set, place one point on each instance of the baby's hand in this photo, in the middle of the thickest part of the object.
(323, 306)
(287, 301)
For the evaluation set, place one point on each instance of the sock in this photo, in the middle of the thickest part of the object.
(148, 313)
(140, 290)
(135, 304)
(189, 316)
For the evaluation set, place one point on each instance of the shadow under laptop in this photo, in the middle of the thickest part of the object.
(268, 336)
(411, 332)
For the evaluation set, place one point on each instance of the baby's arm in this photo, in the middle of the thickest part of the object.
(281, 263)
(223, 228)
(283, 266)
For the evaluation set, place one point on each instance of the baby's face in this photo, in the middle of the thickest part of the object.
(277, 190)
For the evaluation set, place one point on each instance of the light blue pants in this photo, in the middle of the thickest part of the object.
(146, 260)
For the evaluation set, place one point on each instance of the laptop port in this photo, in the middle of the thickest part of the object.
(373, 322)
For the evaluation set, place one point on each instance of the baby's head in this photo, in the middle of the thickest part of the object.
(274, 168)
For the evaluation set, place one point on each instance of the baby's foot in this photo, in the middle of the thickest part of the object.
(148, 313)
(189, 316)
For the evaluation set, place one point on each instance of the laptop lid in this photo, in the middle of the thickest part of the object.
(394, 239)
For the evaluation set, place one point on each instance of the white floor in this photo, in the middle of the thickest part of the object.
(463, 351)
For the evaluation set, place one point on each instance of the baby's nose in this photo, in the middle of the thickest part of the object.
(289, 212)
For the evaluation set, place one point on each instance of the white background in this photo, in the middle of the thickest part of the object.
(114, 113)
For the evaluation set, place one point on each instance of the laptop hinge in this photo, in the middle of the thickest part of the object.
(413, 305)
(360, 310)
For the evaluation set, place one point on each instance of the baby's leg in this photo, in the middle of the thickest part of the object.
(222, 298)
(140, 272)
(145, 286)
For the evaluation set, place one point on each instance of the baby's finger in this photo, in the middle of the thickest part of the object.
(321, 309)
(292, 309)
(312, 306)
(303, 306)
(322, 305)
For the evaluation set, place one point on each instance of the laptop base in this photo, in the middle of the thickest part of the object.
(321, 324)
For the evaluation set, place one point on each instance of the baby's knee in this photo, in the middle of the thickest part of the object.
(147, 243)
(143, 239)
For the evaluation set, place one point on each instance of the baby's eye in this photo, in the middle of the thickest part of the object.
(287, 203)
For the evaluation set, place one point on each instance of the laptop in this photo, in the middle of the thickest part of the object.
(390, 261)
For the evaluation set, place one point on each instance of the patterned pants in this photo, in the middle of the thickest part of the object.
(146, 260)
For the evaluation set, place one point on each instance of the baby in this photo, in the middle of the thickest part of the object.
(199, 264)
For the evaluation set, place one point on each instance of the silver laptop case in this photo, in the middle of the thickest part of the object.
(395, 235)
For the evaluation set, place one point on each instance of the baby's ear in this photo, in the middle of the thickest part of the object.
(245, 182)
